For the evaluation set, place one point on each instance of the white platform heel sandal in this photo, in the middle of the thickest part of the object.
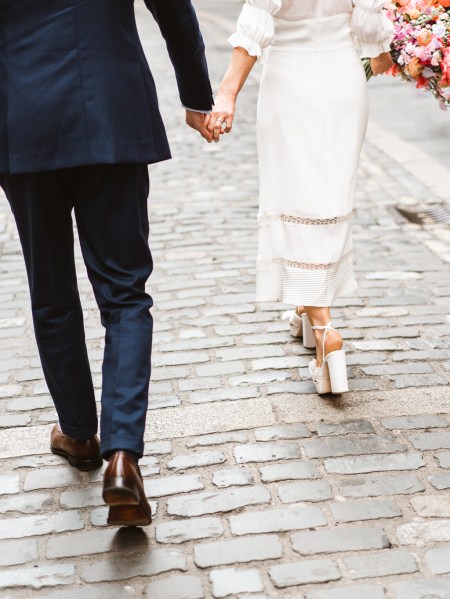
(331, 377)
(301, 327)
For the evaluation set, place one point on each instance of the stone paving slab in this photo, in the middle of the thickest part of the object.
(259, 488)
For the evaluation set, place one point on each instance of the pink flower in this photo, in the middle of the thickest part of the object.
(445, 66)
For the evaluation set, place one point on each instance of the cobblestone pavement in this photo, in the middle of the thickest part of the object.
(260, 488)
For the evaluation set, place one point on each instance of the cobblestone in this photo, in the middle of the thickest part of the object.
(230, 581)
(218, 439)
(375, 463)
(277, 520)
(381, 564)
(334, 447)
(196, 460)
(245, 454)
(345, 428)
(49, 478)
(275, 433)
(432, 506)
(176, 587)
(365, 509)
(444, 459)
(438, 560)
(9, 484)
(305, 491)
(222, 501)
(412, 422)
(246, 549)
(419, 589)
(290, 471)
(229, 477)
(79, 498)
(171, 485)
(26, 526)
(400, 484)
(153, 562)
(355, 591)
(340, 539)
(36, 578)
(18, 552)
(421, 533)
(440, 481)
(427, 441)
(296, 573)
(181, 531)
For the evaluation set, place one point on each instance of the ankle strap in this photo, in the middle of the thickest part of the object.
(325, 328)
(322, 328)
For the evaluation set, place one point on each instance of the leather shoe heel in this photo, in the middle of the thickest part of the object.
(118, 491)
(128, 515)
(123, 491)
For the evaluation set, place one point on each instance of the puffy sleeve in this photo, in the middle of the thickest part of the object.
(255, 28)
(371, 27)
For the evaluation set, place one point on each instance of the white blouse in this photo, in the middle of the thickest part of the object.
(371, 28)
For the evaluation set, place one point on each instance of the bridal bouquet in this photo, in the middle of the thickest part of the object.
(421, 45)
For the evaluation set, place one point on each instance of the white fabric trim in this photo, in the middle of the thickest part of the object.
(267, 219)
(193, 110)
(278, 281)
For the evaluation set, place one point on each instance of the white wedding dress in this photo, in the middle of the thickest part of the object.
(312, 119)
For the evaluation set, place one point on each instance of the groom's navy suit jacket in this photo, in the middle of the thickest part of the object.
(76, 89)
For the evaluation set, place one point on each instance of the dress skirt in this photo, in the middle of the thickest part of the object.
(312, 120)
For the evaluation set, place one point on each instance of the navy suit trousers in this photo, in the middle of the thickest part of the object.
(109, 203)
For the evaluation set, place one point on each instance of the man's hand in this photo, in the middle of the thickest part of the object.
(381, 64)
(196, 120)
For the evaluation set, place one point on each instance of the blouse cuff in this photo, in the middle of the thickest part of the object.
(255, 28)
(371, 27)
(239, 40)
(368, 50)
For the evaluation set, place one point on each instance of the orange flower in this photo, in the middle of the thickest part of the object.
(425, 36)
(415, 68)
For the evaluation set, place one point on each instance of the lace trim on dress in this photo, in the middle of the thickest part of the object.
(307, 265)
(265, 219)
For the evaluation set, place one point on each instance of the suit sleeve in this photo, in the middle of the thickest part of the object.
(179, 26)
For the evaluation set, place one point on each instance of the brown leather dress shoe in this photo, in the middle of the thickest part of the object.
(123, 491)
(82, 455)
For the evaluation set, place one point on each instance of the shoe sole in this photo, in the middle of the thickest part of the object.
(83, 465)
(128, 515)
(125, 507)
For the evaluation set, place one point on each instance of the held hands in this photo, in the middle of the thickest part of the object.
(196, 120)
(382, 63)
(220, 120)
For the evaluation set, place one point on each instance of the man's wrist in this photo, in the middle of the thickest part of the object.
(196, 110)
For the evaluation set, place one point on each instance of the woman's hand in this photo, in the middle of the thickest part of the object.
(221, 118)
(382, 63)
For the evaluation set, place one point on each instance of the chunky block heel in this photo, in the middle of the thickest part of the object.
(331, 377)
(309, 341)
(337, 368)
(296, 325)
(300, 327)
